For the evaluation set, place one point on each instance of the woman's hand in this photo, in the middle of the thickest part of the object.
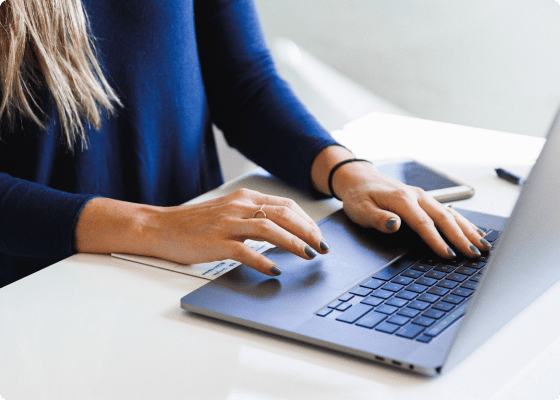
(372, 199)
(209, 231)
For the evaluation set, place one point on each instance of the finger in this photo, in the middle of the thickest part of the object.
(471, 231)
(260, 198)
(480, 231)
(369, 215)
(447, 224)
(424, 226)
(246, 255)
(265, 230)
(294, 223)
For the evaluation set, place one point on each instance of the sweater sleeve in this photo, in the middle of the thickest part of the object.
(36, 221)
(249, 102)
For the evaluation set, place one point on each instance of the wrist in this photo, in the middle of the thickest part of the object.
(111, 226)
(351, 176)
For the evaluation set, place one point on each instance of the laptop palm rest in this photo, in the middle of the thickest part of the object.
(305, 285)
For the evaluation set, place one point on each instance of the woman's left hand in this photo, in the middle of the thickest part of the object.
(374, 200)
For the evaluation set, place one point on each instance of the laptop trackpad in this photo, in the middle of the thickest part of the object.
(355, 252)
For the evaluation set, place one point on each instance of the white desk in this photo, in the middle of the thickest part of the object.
(93, 326)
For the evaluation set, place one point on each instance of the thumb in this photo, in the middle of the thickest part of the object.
(370, 215)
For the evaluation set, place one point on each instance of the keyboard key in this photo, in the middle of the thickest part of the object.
(398, 319)
(456, 277)
(361, 291)
(422, 267)
(344, 306)
(397, 302)
(412, 273)
(451, 298)
(384, 294)
(465, 270)
(372, 283)
(430, 298)
(354, 313)
(410, 331)
(462, 292)
(396, 268)
(438, 291)
(474, 264)
(436, 314)
(335, 304)
(371, 319)
(424, 321)
(454, 262)
(387, 327)
(435, 274)
(386, 309)
(419, 305)
(346, 297)
(447, 284)
(445, 268)
(443, 306)
(372, 301)
(492, 236)
(469, 285)
(408, 312)
(405, 294)
(424, 339)
(431, 260)
(393, 287)
(324, 312)
(402, 280)
(425, 281)
(476, 278)
(414, 287)
(448, 320)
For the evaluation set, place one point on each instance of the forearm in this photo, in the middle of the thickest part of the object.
(112, 226)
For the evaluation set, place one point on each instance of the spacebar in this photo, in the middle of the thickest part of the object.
(444, 323)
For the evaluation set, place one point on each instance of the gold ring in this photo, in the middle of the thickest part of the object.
(260, 210)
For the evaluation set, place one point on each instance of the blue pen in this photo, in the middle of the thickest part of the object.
(510, 177)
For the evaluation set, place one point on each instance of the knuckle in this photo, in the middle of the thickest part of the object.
(264, 226)
(285, 213)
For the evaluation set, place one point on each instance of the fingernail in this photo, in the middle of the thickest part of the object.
(324, 245)
(485, 242)
(275, 270)
(474, 250)
(310, 252)
(481, 231)
(389, 225)
(451, 252)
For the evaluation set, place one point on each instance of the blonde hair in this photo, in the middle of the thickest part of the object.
(48, 42)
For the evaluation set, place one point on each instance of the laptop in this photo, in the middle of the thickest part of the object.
(388, 298)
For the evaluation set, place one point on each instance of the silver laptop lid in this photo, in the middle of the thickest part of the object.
(526, 262)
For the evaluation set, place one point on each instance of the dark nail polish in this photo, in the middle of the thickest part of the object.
(451, 252)
(485, 242)
(324, 245)
(474, 249)
(275, 270)
(310, 252)
(481, 231)
(390, 224)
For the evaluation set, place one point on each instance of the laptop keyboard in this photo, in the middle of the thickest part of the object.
(416, 297)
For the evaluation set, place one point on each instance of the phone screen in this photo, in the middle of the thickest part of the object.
(415, 174)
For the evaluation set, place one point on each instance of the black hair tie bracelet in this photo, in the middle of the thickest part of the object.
(337, 166)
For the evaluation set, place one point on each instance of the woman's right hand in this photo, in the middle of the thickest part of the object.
(209, 231)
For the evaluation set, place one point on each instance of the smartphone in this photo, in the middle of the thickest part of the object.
(440, 186)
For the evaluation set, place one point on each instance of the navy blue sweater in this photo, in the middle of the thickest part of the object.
(178, 66)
